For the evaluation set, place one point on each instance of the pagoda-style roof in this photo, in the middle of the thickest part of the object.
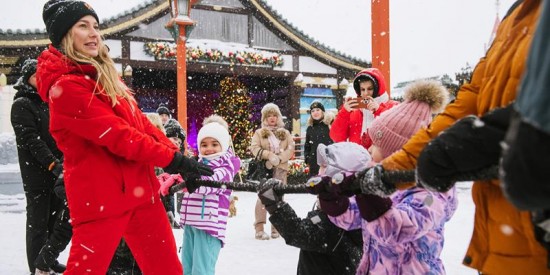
(17, 42)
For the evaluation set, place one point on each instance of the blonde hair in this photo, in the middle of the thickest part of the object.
(107, 75)
(156, 121)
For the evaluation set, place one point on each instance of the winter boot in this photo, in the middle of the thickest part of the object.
(274, 233)
(260, 233)
(41, 272)
(58, 267)
(261, 236)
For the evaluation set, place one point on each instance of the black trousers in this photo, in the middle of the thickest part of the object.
(48, 229)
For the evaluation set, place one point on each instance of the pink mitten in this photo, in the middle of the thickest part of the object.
(166, 181)
(177, 178)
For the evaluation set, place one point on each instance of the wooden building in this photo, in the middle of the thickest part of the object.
(244, 39)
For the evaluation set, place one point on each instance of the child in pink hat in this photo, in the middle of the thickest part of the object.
(404, 233)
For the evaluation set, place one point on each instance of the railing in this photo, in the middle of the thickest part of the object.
(299, 147)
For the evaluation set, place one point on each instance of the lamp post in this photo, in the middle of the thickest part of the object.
(179, 26)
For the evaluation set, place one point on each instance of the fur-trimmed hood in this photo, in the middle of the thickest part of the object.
(271, 108)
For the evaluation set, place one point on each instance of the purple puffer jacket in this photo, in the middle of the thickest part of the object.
(407, 239)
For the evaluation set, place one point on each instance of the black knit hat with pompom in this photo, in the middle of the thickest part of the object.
(60, 15)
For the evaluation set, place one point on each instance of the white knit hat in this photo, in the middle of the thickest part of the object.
(342, 157)
(215, 127)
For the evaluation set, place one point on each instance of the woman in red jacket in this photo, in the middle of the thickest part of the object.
(110, 149)
(351, 123)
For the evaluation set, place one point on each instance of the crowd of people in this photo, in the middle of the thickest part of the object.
(73, 116)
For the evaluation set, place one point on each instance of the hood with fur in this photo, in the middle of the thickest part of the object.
(269, 109)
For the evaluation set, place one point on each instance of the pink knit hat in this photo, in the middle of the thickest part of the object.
(393, 128)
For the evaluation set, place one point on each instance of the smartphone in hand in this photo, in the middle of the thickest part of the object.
(362, 103)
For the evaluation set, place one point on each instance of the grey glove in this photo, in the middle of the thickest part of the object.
(370, 181)
(269, 198)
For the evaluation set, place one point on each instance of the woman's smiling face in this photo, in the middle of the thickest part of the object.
(86, 36)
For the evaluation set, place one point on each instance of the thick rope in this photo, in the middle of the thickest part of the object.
(394, 177)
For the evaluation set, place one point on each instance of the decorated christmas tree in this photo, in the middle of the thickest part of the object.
(234, 106)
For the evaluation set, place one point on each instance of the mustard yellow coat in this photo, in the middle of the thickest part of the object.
(503, 241)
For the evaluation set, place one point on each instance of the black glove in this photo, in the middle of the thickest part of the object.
(370, 181)
(191, 184)
(269, 198)
(59, 187)
(345, 184)
(470, 145)
(524, 170)
(57, 169)
(318, 184)
(331, 201)
(187, 167)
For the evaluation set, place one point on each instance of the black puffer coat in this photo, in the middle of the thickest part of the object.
(325, 249)
(36, 148)
(316, 133)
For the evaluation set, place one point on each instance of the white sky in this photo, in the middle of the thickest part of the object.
(428, 37)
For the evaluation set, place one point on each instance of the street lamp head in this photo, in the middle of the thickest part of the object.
(180, 9)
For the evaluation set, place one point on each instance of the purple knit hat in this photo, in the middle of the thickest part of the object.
(391, 130)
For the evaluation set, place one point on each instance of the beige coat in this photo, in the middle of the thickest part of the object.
(260, 141)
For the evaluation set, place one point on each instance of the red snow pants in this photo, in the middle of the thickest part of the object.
(147, 232)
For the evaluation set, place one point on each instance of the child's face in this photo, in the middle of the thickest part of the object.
(316, 113)
(272, 120)
(32, 80)
(367, 88)
(209, 146)
(376, 153)
(164, 118)
(177, 141)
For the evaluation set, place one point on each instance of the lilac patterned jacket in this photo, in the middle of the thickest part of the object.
(407, 239)
(207, 208)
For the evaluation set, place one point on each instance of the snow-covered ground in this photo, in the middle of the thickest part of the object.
(242, 254)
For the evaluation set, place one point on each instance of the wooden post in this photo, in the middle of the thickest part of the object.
(380, 16)
(181, 75)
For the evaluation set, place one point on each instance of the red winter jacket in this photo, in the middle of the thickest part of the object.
(348, 125)
(109, 151)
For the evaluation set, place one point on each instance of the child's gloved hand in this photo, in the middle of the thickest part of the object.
(192, 185)
(269, 198)
(318, 184)
(188, 167)
(166, 181)
(371, 207)
(370, 182)
(331, 201)
(345, 184)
